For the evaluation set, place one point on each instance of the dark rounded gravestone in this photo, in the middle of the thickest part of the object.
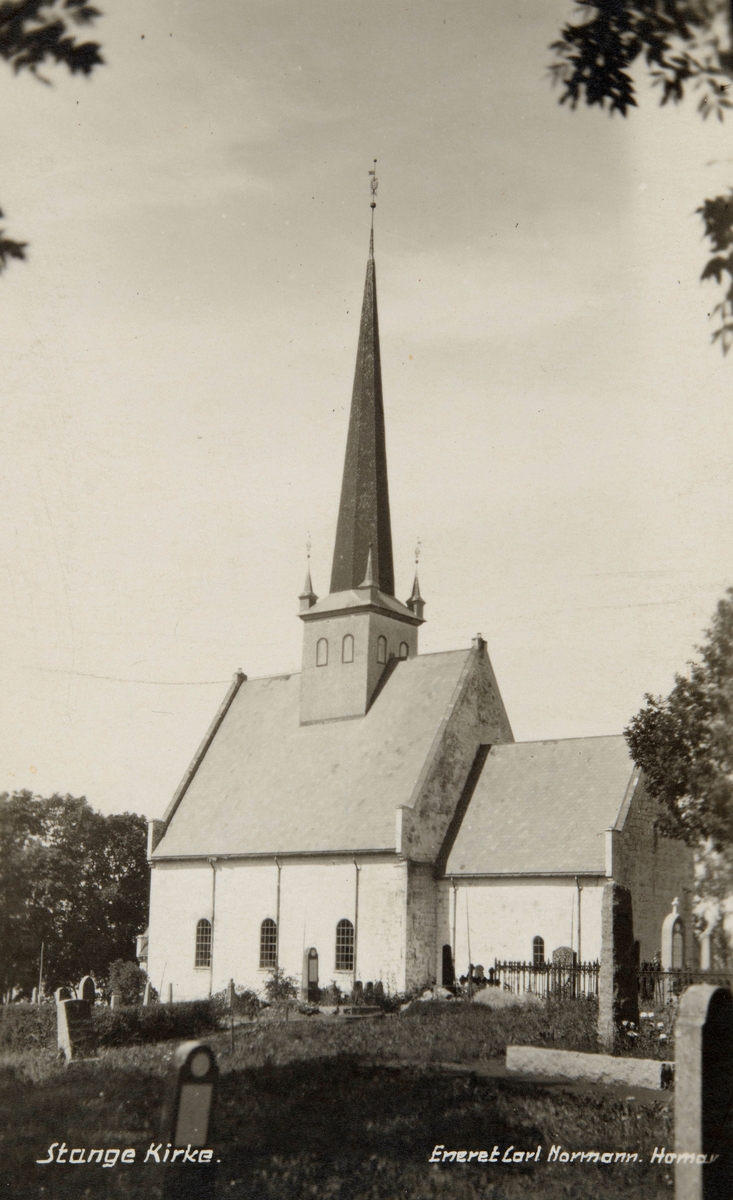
(87, 990)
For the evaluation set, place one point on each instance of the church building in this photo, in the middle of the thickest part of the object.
(371, 817)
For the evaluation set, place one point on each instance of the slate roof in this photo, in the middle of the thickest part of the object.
(268, 785)
(543, 807)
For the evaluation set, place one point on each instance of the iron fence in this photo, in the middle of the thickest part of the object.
(658, 987)
(561, 982)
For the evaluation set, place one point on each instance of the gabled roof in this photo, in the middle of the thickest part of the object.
(544, 807)
(268, 785)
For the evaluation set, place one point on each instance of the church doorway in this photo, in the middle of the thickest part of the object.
(310, 975)
(448, 974)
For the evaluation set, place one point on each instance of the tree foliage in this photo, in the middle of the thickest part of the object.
(73, 879)
(675, 39)
(684, 44)
(36, 32)
(128, 980)
(684, 743)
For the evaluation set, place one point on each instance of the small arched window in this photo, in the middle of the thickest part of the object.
(538, 952)
(382, 649)
(347, 649)
(322, 652)
(344, 946)
(203, 943)
(404, 649)
(268, 943)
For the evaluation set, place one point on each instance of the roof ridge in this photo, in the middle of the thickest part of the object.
(587, 737)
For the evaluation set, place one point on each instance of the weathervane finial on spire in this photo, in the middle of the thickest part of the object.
(373, 184)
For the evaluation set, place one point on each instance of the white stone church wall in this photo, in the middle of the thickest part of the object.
(180, 895)
(315, 894)
(500, 918)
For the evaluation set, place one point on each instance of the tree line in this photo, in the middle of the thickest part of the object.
(73, 880)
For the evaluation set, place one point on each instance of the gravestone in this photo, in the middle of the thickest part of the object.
(706, 955)
(673, 940)
(189, 1097)
(618, 984)
(87, 990)
(146, 993)
(74, 1030)
(704, 1094)
(114, 1000)
(34, 996)
(563, 956)
(62, 993)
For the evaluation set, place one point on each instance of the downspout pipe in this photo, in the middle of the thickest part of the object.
(278, 864)
(455, 913)
(356, 916)
(580, 891)
(212, 864)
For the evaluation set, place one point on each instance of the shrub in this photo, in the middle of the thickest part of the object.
(246, 1002)
(332, 994)
(27, 1026)
(128, 980)
(280, 987)
(156, 1023)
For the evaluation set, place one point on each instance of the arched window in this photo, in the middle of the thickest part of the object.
(321, 652)
(203, 943)
(382, 650)
(404, 649)
(344, 946)
(347, 649)
(538, 952)
(268, 943)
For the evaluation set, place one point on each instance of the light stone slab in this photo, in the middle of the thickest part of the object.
(596, 1068)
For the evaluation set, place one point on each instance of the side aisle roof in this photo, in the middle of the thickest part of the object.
(543, 807)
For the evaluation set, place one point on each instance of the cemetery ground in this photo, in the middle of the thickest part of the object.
(351, 1111)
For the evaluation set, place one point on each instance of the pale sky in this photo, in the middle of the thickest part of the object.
(178, 356)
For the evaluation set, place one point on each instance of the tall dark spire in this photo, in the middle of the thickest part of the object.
(363, 519)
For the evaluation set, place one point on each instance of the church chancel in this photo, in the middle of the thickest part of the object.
(371, 818)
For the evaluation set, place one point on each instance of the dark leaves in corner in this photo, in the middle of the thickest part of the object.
(33, 32)
(674, 38)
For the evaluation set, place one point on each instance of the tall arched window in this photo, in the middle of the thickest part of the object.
(344, 946)
(382, 650)
(404, 649)
(321, 652)
(538, 952)
(347, 649)
(203, 943)
(268, 943)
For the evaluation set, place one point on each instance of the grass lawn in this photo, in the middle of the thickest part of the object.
(319, 1108)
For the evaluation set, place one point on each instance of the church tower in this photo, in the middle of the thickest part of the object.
(359, 633)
